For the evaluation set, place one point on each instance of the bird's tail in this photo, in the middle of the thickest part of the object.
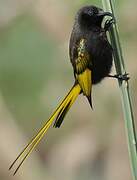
(59, 114)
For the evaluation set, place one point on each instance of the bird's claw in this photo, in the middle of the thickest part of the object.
(121, 77)
(108, 24)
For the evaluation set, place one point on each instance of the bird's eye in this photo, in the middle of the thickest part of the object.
(90, 12)
(95, 11)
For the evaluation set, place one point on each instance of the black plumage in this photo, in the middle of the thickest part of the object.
(88, 25)
(91, 58)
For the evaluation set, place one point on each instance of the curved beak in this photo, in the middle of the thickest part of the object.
(102, 14)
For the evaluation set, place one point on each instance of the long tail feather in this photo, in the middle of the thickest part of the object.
(59, 112)
(71, 99)
(61, 115)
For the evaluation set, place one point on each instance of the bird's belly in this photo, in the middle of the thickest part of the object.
(101, 66)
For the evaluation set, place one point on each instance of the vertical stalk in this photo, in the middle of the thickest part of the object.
(124, 89)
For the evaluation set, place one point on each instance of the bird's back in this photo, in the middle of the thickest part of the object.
(98, 48)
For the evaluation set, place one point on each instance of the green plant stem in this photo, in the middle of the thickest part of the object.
(124, 89)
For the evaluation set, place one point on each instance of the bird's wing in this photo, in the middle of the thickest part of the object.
(82, 70)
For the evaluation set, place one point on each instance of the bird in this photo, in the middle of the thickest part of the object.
(91, 56)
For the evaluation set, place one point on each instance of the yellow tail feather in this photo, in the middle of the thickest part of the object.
(66, 106)
(60, 112)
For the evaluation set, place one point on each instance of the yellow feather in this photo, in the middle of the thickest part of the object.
(84, 80)
(69, 99)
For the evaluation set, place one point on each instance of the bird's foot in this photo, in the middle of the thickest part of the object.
(108, 24)
(121, 77)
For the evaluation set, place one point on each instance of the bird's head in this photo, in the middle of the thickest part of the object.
(89, 16)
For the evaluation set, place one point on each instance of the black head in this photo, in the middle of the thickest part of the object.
(89, 16)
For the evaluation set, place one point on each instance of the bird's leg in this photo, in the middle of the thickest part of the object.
(122, 77)
(108, 24)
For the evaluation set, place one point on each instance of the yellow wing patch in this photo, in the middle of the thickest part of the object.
(83, 73)
(84, 80)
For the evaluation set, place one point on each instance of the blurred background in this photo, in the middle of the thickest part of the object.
(35, 74)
